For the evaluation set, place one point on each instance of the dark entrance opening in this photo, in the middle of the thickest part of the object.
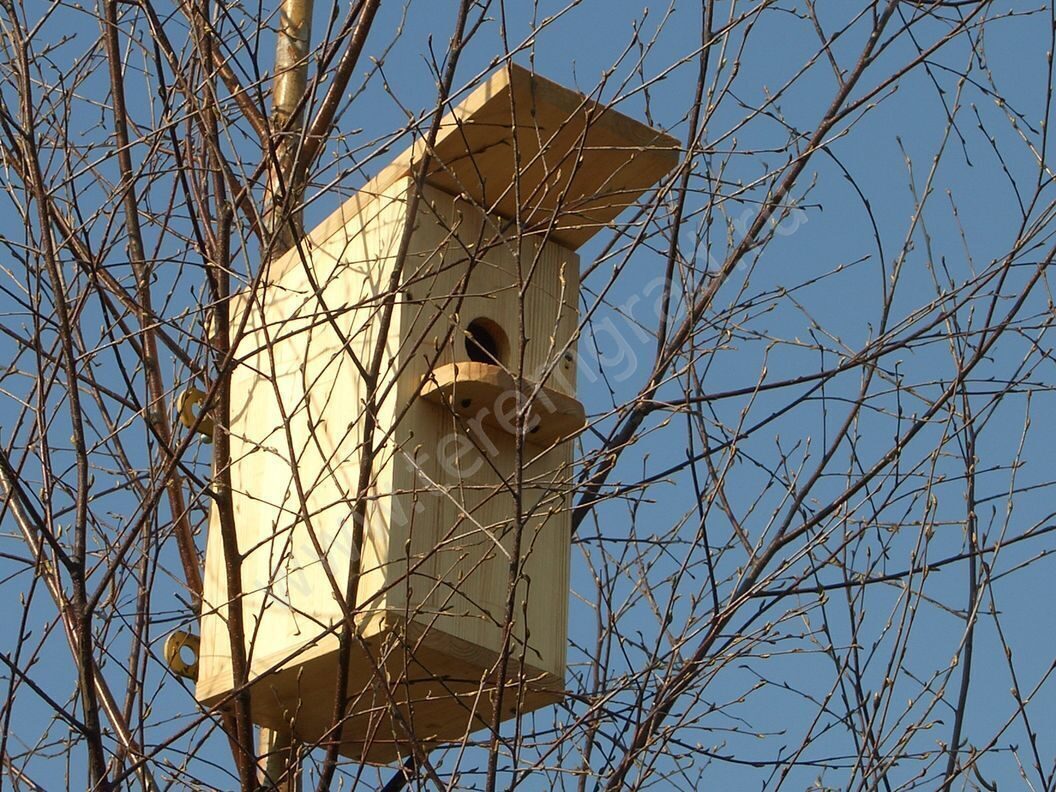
(485, 342)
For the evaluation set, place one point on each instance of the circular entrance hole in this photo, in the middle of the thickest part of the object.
(188, 656)
(486, 342)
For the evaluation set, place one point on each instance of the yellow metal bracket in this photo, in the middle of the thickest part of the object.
(174, 646)
(189, 399)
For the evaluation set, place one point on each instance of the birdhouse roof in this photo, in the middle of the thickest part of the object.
(527, 149)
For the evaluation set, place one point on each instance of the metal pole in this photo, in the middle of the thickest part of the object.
(283, 225)
(285, 191)
(278, 759)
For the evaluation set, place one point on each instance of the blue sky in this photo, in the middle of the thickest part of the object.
(973, 212)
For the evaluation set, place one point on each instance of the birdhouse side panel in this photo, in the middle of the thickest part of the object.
(297, 428)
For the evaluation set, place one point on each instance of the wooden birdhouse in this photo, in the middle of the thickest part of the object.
(413, 362)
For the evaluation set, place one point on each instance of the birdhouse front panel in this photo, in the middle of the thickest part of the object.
(483, 484)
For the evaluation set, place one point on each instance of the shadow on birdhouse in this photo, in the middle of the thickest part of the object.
(421, 370)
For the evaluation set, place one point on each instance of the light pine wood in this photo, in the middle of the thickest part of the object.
(577, 163)
(439, 537)
(490, 392)
(459, 506)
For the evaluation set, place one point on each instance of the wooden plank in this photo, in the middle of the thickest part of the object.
(488, 393)
(578, 163)
(294, 380)
(444, 690)
(459, 476)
